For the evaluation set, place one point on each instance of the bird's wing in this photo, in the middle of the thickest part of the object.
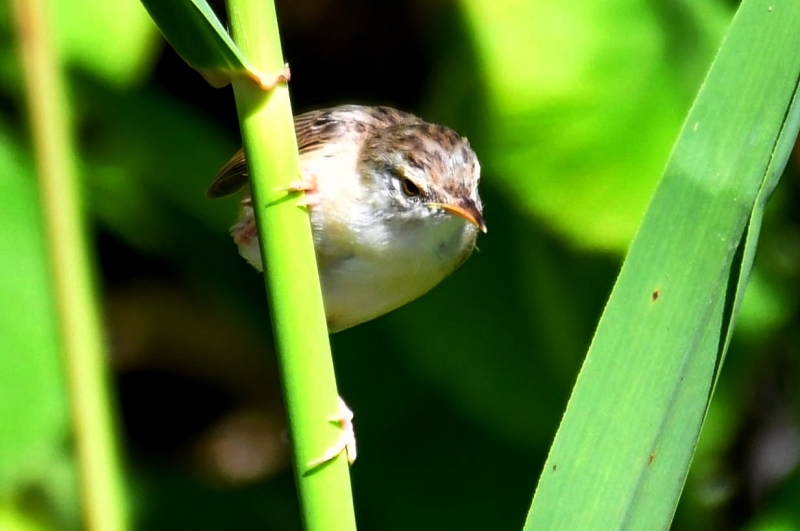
(230, 178)
(314, 130)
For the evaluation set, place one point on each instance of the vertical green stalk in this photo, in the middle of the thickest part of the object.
(72, 272)
(290, 272)
(81, 338)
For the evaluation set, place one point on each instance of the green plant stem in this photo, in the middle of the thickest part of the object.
(72, 273)
(291, 277)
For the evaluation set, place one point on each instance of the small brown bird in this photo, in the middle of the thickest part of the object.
(394, 209)
(393, 201)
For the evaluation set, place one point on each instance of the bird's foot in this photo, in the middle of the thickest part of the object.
(347, 439)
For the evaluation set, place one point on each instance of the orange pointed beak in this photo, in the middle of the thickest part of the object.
(467, 210)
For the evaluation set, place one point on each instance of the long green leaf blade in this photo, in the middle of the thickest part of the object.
(623, 449)
(194, 30)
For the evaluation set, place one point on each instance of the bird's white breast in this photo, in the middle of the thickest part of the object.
(387, 268)
(370, 262)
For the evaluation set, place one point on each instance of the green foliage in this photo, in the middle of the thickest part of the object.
(113, 40)
(199, 37)
(586, 101)
(34, 408)
(626, 441)
(572, 111)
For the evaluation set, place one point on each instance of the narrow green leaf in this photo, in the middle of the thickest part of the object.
(194, 30)
(783, 149)
(625, 443)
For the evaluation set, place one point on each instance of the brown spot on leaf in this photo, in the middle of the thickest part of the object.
(655, 295)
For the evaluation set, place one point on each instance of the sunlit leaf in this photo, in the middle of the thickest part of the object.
(115, 41)
(33, 403)
(194, 30)
(584, 101)
(624, 447)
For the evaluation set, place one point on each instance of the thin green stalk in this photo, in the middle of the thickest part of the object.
(290, 272)
(82, 341)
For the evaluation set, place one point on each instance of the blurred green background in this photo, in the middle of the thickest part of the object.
(572, 108)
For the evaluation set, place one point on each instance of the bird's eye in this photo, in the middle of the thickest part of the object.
(409, 188)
